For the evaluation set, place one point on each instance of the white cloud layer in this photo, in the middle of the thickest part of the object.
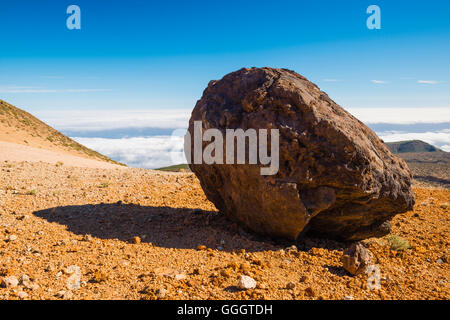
(440, 139)
(141, 152)
(95, 120)
(160, 151)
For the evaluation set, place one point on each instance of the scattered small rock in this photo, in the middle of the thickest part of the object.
(24, 278)
(64, 294)
(74, 280)
(439, 261)
(180, 276)
(136, 240)
(197, 271)
(12, 237)
(310, 292)
(292, 248)
(100, 276)
(87, 238)
(356, 258)
(201, 247)
(72, 269)
(261, 286)
(290, 286)
(161, 293)
(303, 278)
(9, 282)
(22, 295)
(30, 285)
(349, 298)
(245, 283)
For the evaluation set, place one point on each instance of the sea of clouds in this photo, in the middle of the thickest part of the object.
(154, 138)
(140, 152)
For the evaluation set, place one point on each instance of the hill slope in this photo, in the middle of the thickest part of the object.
(20, 127)
(184, 167)
(411, 146)
(430, 165)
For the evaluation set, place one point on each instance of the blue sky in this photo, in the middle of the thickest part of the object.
(137, 65)
(158, 54)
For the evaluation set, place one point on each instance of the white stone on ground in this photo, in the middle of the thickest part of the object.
(245, 283)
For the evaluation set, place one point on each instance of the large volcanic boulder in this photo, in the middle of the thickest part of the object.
(336, 178)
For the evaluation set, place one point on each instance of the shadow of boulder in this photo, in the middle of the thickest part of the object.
(168, 227)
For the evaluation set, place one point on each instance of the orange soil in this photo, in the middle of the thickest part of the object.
(149, 241)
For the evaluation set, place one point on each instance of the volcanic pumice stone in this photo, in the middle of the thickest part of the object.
(336, 178)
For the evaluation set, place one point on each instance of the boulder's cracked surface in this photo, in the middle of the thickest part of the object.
(336, 178)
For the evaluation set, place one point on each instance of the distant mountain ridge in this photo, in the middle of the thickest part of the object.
(20, 127)
(184, 167)
(429, 164)
(411, 146)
